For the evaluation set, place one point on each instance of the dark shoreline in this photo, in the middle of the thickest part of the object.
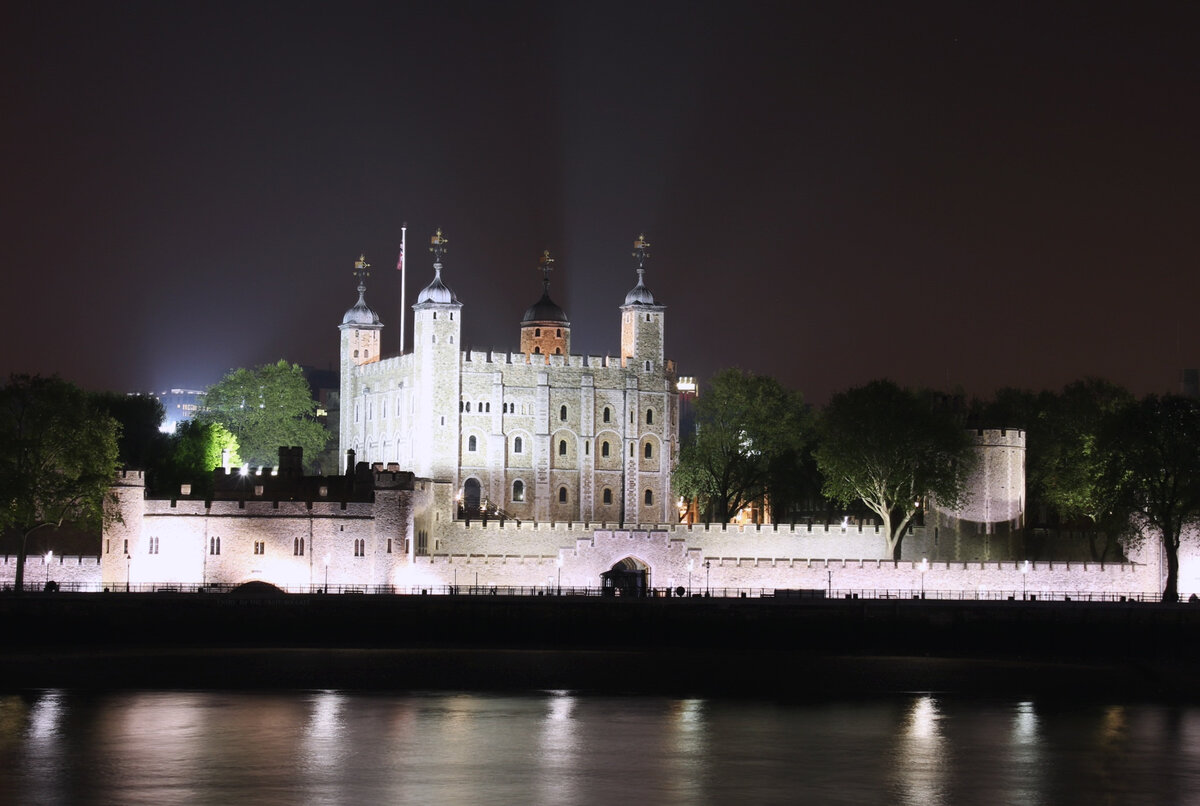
(745, 648)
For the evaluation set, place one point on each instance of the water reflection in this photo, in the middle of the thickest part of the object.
(330, 747)
(919, 757)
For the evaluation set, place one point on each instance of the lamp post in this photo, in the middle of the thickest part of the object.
(707, 577)
(924, 568)
(1025, 581)
(559, 561)
(690, 562)
(327, 573)
(49, 557)
(128, 570)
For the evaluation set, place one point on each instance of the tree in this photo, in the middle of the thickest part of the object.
(58, 457)
(1069, 461)
(892, 448)
(1153, 453)
(266, 408)
(746, 427)
(196, 449)
(141, 444)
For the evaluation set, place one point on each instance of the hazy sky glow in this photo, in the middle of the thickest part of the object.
(957, 194)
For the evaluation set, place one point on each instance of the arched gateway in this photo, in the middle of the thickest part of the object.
(627, 577)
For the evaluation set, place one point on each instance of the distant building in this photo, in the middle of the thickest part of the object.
(1189, 382)
(178, 405)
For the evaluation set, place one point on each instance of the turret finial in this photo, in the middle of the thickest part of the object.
(438, 247)
(546, 265)
(641, 251)
(360, 271)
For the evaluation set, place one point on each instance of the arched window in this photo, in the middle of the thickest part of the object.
(647, 366)
(558, 332)
(649, 416)
(649, 497)
(607, 415)
(649, 450)
(537, 350)
(631, 450)
(518, 444)
(562, 447)
(298, 547)
(562, 413)
(604, 448)
(537, 331)
(471, 443)
(607, 497)
(468, 407)
(518, 490)
(562, 495)
(558, 351)
(489, 408)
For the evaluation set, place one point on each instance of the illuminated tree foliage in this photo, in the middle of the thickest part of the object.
(1069, 459)
(266, 408)
(196, 449)
(1153, 455)
(58, 457)
(891, 448)
(746, 426)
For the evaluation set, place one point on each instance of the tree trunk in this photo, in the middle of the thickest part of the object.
(22, 554)
(1171, 546)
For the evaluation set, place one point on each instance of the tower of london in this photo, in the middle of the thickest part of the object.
(539, 469)
(535, 435)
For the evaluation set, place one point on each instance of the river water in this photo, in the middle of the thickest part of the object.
(330, 747)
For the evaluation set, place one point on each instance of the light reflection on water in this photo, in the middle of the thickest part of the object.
(330, 747)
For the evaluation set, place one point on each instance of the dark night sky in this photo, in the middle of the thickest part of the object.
(964, 195)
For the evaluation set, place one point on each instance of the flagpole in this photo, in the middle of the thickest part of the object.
(403, 236)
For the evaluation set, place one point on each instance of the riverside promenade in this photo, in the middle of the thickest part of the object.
(760, 647)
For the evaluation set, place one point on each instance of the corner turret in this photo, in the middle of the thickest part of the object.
(545, 329)
(642, 319)
(437, 346)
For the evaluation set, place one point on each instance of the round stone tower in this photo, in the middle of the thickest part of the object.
(544, 328)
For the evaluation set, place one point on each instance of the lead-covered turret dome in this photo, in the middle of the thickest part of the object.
(639, 294)
(437, 292)
(360, 314)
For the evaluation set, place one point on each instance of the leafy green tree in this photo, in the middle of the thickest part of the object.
(58, 457)
(141, 444)
(196, 449)
(1069, 462)
(892, 448)
(266, 408)
(746, 428)
(1153, 451)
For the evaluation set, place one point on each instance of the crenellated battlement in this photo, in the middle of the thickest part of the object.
(999, 437)
(130, 478)
(519, 359)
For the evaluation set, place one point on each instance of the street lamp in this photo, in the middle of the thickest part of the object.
(707, 577)
(559, 574)
(49, 557)
(1025, 580)
(327, 573)
(128, 570)
(690, 561)
(924, 568)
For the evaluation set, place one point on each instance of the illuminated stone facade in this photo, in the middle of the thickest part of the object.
(533, 435)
